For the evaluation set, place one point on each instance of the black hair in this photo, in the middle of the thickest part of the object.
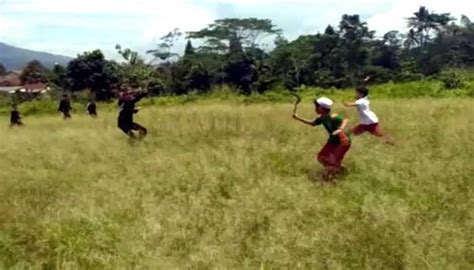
(363, 90)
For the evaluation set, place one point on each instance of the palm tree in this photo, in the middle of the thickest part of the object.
(425, 21)
(411, 39)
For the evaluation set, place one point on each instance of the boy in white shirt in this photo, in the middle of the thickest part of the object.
(369, 122)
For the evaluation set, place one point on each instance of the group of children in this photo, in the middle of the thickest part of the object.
(339, 142)
(330, 156)
(127, 100)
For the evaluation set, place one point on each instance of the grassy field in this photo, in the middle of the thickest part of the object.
(221, 186)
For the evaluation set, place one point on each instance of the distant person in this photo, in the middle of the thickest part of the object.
(332, 154)
(65, 107)
(368, 120)
(92, 108)
(15, 117)
(127, 101)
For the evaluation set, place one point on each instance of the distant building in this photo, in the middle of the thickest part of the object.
(11, 79)
(35, 88)
(11, 83)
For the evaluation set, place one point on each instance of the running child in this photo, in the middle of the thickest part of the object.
(92, 108)
(332, 154)
(15, 117)
(65, 107)
(369, 122)
(127, 101)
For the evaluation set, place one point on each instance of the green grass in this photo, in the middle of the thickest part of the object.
(233, 186)
(427, 88)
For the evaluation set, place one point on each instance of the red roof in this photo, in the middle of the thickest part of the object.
(11, 79)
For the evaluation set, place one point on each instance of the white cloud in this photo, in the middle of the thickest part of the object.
(12, 29)
(395, 17)
(72, 26)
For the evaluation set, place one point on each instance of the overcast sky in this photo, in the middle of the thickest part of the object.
(70, 27)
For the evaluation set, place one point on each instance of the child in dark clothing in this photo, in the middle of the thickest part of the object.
(92, 108)
(15, 118)
(65, 107)
(127, 103)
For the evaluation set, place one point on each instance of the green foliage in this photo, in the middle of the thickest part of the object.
(136, 74)
(59, 76)
(451, 81)
(163, 51)
(189, 51)
(34, 72)
(248, 31)
(278, 94)
(92, 71)
(235, 52)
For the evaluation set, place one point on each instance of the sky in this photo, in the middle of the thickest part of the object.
(69, 27)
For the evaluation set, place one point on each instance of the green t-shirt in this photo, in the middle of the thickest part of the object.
(331, 124)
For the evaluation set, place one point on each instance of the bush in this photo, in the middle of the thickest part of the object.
(451, 81)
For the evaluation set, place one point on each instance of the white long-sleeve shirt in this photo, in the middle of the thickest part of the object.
(366, 116)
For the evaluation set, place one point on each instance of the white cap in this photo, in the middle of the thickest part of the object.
(324, 102)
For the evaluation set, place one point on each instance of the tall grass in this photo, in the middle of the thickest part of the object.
(219, 186)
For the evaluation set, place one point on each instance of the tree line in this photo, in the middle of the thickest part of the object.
(231, 51)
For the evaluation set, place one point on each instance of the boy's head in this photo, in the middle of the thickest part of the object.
(125, 95)
(323, 105)
(362, 92)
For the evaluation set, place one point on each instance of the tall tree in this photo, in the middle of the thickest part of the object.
(240, 68)
(3, 70)
(59, 76)
(163, 51)
(249, 31)
(134, 72)
(189, 50)
(34, 72)
(92, 71)
(424, 22)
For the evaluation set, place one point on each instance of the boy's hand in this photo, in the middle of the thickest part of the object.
(337, 132)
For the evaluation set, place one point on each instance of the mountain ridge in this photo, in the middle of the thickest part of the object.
(15, 58)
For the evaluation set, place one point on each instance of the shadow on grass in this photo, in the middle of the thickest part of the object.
(318, 176)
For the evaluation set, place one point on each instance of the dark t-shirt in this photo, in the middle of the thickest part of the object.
(64, 106)
(127, 108)
(15, 116)
(92, 108)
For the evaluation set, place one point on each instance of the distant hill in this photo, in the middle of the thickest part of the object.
(14, 58)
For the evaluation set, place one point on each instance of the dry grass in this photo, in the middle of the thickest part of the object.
(227, 187)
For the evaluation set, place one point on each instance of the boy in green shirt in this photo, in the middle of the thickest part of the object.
(332, 154)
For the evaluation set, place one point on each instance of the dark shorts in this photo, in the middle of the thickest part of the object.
(374, 129)
(66, 115)
(127, 126)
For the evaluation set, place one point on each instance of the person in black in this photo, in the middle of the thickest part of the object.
(65, 107)
(127, 101)
(15, 118)
(92, 108)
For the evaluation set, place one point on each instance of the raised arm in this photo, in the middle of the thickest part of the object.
(344, 122)
(350, 104)
(305, 121)
(139, 96)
